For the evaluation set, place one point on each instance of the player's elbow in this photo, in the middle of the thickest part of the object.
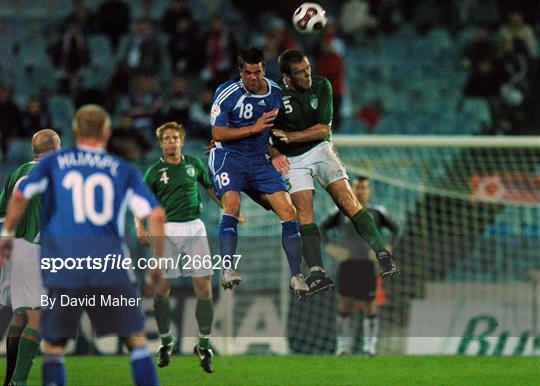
(18, 198)
(157, 215)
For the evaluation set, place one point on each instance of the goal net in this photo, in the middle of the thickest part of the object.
(469, 216)
(468, 209)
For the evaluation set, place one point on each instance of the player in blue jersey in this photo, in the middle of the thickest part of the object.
(241, 117)
(86, 192)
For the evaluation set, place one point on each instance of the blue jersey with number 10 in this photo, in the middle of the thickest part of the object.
(86, 192)
(235, 107)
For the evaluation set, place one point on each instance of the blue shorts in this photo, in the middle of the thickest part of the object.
(230, 171)
(111, 311)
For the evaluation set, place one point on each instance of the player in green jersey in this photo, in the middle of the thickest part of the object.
(175, 180)
(21, 284)
(303, 150)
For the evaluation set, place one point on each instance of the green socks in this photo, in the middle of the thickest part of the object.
(204, 313)
(367, 230)
(28, 347)
(12, 348)
(311, 245)
(162, 311)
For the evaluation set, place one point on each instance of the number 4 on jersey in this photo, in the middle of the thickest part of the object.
(164, 177)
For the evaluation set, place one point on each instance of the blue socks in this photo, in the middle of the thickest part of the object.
(292, 244)
(142, 367)
(290, 238)
(53, 372)
(228, 239)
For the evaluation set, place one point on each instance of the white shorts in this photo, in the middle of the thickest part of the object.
(5, 282)
(186, 243)
(26, 283)
(320, 162)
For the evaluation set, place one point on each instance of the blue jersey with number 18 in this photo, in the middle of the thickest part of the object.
(235, 107)
(86, 192)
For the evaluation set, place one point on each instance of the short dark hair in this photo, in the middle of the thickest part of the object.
(361, 178)
(251, 55)
(289, 57)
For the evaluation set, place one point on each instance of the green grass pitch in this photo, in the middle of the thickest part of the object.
(311, 370)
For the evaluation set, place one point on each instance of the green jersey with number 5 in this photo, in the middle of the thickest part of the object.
(301, 110)
(176, 187)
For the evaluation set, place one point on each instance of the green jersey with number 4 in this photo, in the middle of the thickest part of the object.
(28, 227)
(176, 187)
(301, 110)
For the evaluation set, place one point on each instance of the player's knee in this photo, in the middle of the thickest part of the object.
(135, 340)
(371, 309)
(161, 293)
(305, 216)
(232, 209)
(34, 319)
(203, 293)
(18, 320)
(54, 348)
(203, 287)
(285, 211)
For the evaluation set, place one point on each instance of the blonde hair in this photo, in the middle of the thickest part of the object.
(91, 121)
(170, 126)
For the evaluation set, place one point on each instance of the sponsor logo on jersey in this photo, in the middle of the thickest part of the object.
(162, 169)
(262, 103)
(190, 170)
(314, 102)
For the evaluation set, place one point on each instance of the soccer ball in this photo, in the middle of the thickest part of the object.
(309, 18)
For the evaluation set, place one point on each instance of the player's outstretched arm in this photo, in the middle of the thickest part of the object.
(225, 133)
(312, 133)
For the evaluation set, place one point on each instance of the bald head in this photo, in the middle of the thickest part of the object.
(92, 121)
(44, 141)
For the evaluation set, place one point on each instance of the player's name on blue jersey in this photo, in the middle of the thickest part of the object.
(84, 158)
(86, 193)
(233, 106)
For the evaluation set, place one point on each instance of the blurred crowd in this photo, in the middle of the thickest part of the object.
(166, 68)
